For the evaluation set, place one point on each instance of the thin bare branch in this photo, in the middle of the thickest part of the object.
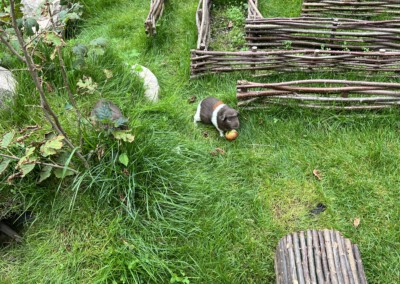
(41, 163)
(10, 47)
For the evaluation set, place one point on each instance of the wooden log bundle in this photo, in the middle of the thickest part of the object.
(320, 93)
(323, 33)
(203, 24)
(253, 12)
(307, 60)
(156, 10)
(350, 8)
(318, 257)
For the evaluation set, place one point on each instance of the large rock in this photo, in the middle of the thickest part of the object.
(33, 9)
(7, 84)
(150, 82)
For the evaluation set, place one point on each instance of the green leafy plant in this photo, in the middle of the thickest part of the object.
(287, 44)
(34, 150)
(25, 40)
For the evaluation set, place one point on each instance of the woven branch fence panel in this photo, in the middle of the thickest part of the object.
(156, 10)
(350, 8)
(320, 93)
(318, 257)
(206, 62)
(312, 32)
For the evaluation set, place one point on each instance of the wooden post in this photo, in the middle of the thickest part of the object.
(254, 55)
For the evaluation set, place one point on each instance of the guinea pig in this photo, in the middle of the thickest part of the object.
(108, 115)
(214, 111)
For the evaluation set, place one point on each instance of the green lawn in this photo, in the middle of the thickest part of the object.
(190, 216)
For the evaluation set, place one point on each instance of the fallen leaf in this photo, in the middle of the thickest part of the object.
(356, 222)
(124, 159)
(108, 73)
(213, 153)
(22, 138)
(219, 150)
(31, 127)
(11, 178)
(192, 99)
(230, 24)
(317, 174)
(318, 209)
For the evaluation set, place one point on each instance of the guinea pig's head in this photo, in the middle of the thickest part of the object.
(228, 119)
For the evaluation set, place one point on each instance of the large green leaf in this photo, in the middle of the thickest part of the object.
(7, 138)
(29, 24)
(4, 165)
(51, 146)
(80, 50)
(99, 42)
(62, 173)
(27, 159)
(45, 173)
(27, 168)
(53, 39)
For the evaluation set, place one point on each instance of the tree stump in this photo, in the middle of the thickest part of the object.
(318, 257)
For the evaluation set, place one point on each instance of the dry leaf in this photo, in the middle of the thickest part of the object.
(22, 138)
(213, 153)
(192, 99)
(31, 128)
(356, 222)
(230, 24)
(11, 178)
(317, 174)
(219, 150)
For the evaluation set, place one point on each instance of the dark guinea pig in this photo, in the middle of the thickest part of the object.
(106, 114)
(214, 111)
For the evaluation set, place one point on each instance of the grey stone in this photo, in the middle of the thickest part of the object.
(150, 82)
(7, 84)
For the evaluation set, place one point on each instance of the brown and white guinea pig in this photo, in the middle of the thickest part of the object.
(213, 111)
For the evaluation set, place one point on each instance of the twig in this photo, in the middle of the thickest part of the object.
(9, 46)
(65, 79)
(41, 163)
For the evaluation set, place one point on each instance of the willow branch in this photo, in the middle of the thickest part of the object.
(65, 78)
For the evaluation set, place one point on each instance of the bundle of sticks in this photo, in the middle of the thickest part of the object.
(156, 10)
(203, 24)
(318, 257)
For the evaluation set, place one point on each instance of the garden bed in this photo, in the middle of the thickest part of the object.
(323, 33)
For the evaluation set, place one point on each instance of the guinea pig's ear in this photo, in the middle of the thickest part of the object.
(222, 116)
